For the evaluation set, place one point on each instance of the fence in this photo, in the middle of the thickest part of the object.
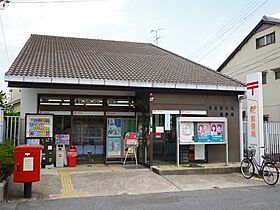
(271, 139)
(12, 128)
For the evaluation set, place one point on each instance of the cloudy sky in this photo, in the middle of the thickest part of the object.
(213, 27)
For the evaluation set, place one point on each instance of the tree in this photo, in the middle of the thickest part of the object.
(4, 104)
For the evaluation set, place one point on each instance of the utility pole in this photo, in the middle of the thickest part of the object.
(156, 31)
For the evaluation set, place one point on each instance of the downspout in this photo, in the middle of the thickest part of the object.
(240, 99)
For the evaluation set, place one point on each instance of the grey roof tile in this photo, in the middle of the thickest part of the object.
(66, 57)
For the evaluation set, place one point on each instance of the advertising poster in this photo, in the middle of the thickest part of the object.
(62, 139)
(39, 126)
(114, 138)
(186, 132)
(217, 132)
(114, 146)
(114, 127)
(32, 141)
(203, 132)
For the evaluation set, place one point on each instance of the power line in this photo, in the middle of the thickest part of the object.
(4, 40)
(240, 66)
(207, 52)
(248, 70)
(223, 28)
(50, 2)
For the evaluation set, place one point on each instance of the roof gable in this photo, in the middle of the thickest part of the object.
(266, 22)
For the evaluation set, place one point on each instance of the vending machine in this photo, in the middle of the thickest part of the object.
(39, 130)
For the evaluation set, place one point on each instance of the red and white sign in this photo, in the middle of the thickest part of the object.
(255, 113)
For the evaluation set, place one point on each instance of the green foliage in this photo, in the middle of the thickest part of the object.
(7, 157)
(4, 104)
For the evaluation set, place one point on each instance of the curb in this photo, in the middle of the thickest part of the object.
(194, 171)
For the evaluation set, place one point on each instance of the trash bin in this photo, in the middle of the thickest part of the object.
(72, 156)
(60, 155)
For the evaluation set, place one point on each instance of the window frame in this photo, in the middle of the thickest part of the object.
(277, 73)
(265, 37)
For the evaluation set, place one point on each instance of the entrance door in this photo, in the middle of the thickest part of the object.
(88, 137)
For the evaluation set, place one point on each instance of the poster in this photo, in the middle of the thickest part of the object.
(114, 137)
(186, 132)
(39, 126)
(32, 141)
(203, 132)
(114, 146)
(62, 139)
(114, 127)
(217, 132)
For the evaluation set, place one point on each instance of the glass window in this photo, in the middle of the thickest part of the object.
(62, 124)
(54, 101)
(277, 75)
(264, 78)
(270, 38)
(88, 102)
(260, 42)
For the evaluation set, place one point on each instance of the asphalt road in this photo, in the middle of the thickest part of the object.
(258, 197)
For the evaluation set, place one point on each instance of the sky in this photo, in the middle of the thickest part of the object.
(215, 27)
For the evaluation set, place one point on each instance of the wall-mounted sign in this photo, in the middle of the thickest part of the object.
(56, 112)
(88, 113)
(167, 118)
(165, 112)
(255, 112)
(159, 129)
(194, 112)
(39, 125)
(128, 114)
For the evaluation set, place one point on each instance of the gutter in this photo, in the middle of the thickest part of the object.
(120, 83)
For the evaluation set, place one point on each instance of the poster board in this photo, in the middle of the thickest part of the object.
(114, 138)
(39, 126)
(201, 131)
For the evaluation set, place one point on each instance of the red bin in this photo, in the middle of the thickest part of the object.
(72, 156)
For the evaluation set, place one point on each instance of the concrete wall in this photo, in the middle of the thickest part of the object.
(264, 59)
(214, 105)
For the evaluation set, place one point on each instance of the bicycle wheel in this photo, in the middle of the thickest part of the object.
(270, 173)
(247, 168)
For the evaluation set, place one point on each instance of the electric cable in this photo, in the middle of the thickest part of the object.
(223, 28)
(4, 39)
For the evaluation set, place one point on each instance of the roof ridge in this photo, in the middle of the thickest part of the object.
(207, 68)
(72, 37)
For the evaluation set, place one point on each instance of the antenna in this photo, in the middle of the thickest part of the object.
(156, 31)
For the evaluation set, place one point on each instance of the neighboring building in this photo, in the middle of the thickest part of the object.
(259, 52)
(14, 98)
(85, 82)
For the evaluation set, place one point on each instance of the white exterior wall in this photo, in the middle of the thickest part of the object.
(267, 58)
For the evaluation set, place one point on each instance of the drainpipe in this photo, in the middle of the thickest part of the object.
(241, 98)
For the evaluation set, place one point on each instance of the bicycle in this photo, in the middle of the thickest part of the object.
(267, 169)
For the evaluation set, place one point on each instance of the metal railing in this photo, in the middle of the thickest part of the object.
(12, 128)
(271, 139)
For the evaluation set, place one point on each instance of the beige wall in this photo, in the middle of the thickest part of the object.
(267, 58)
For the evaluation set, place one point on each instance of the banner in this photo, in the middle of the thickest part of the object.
(255, 113)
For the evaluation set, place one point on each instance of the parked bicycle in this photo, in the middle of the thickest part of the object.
(267, 169)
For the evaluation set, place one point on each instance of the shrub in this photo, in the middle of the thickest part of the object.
(7, 157)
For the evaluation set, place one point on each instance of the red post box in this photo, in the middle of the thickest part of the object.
(72, 156)
(27, 166)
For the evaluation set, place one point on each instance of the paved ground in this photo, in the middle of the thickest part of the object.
(257, 197)
(101, 180)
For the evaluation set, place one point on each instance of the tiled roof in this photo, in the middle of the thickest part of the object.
(65, 57)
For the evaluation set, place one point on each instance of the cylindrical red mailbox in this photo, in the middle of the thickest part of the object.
(72, 156)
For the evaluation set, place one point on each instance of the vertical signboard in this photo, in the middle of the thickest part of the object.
(1, 125)
(255, 113)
